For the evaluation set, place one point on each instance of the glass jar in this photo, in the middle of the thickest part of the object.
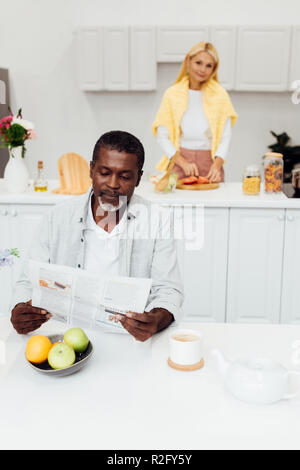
(273, 165)
(251, 180)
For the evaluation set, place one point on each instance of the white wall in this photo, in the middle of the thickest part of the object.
(38, 46)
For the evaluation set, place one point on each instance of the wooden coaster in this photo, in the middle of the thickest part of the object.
(196, 366)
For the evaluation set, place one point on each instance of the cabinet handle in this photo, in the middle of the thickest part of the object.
(290, 218)
(4, 212)
(14, 213)
(280, 218)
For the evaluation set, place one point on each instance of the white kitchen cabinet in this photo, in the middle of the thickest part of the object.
(295, 59)
(224, 39)
(18, 225)
(143, 67)
(173, 42)
(6, 276)
(90, 58)
(24, 221)
(204, 269)
(263, 58)
(116, 58)
(255, 259)
(290, 302)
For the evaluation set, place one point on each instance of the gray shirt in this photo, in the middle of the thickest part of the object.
(147, 250)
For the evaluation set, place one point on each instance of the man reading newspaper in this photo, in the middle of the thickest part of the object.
(109, 231)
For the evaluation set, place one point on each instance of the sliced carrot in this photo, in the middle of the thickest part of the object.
(190, 180)
(202, 180)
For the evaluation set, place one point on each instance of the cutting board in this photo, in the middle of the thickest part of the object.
(74, 174)
(197, 187)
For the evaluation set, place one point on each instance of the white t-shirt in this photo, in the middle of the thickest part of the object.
(101, 247)
(196, 134)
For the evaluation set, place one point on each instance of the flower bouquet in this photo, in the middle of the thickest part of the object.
(7, 256)
(14, 131)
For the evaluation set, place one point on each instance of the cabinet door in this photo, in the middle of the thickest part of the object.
(25, 220)
(263, 58)
(90, 58)
(290, 304)
(116, 58)
(173, 42)
(255, 265)
(295, 59)
(5, 272)
(224, 39)
(204, 269)
(142, 58)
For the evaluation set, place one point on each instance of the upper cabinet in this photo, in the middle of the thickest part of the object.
(143, 58)
(116, 58)
(173, 42)
(252, 58)
(295, 57)
(224, 39)
(263, 58)
(90, 59)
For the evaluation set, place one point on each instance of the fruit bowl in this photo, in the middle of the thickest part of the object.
(80, 361)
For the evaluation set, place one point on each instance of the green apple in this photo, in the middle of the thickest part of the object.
(77, 339)
(61, 356)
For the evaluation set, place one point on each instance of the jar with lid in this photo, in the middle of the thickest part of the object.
(273, 168)
(251, 180)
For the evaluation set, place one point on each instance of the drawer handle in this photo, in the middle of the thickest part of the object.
(14, 213)
(4, 212)
(280, 218)
(290, 218)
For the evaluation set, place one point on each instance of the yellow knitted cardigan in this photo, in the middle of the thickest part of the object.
(217, 108)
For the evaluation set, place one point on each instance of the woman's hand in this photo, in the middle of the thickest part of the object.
(214, 175)
(190, 169)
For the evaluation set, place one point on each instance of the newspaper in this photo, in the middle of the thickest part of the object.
(79, 298)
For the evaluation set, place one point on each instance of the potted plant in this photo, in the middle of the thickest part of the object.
(14, 131)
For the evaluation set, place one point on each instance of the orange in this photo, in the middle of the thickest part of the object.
(37, 349)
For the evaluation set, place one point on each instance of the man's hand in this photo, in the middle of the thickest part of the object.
(26, 318)
(144, 325)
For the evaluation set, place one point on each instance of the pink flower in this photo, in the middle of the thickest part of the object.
(6, 122)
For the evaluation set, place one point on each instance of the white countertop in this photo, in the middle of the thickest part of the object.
(127, 397)
(227, 195)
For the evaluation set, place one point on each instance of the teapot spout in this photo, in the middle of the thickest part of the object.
(222, 362)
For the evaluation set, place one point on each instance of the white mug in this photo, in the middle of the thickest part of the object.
(186, 347)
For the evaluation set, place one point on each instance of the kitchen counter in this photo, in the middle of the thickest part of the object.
(227, 195)
(128, 398)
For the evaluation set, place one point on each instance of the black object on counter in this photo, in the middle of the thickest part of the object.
(290, 191)
(291, 154)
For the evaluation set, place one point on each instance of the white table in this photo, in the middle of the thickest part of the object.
(128, 398)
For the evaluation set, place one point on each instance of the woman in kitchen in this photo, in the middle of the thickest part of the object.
(195, 118)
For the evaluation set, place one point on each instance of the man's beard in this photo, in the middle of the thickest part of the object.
(107, 207)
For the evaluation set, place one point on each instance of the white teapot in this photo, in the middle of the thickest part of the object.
(257, 380)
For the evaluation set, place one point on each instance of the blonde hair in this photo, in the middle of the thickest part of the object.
(199, 47)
